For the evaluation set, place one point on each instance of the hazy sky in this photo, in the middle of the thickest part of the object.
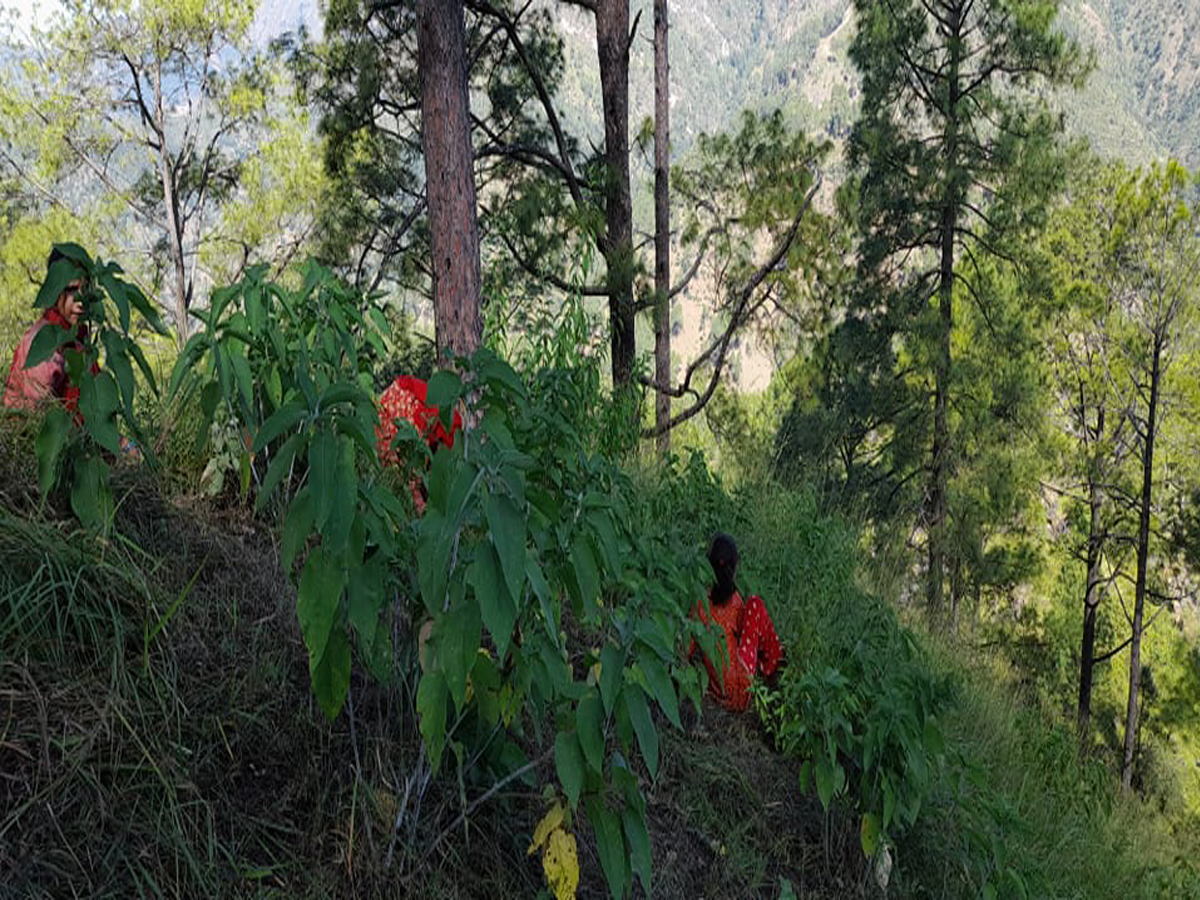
(272, 17)
(30, 12)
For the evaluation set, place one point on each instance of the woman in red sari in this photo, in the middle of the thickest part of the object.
(405, 399)
(29, 388)
(751, 643)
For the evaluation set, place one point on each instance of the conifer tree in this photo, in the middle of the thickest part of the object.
(955, 157)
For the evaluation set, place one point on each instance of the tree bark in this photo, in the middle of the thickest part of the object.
(449, 176)
(1091, 602)
(612, 44)
(1143, 553)
(662, 227)
(939, 465)
(166, 174)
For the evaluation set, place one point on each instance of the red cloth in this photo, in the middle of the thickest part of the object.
(28, 388)
(405, 399)
(751, 644)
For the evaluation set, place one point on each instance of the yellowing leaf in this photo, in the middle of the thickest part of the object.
(549, 822)
(561, 865)
(869, 834)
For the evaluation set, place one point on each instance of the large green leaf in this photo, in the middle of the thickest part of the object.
(379, 654)
(435, 543)
(185, 364)
(91, 498)
(933, 738)
(256, 311)
(456, 638)
(243, 377)
(587, 577)
(56, 428)
(58, 276)
(637, 837)
(297, 525)
(443, 391)
(342, 392)
(143, 306)
(116, 291)
(507, 527)
(541, 589)
(610, 843)
(441, 471)
(568, 763)
(331, 675)
(365, 598)
(589, 723)
(144, 365)
(869, 834)
(612, 662)
(643, 726)
(280, 466)
(116, 360)
(610, 544)
(495, 603)
(284, 419)
(494, 369)
(47, 340)
(825, 781)
(324, 455)
(317, 601)
(98, 403)
(362, 431)
(345, 500)
(661, 686)
(431, 714)
(76, 253)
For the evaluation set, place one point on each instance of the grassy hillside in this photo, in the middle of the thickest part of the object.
(161, 738)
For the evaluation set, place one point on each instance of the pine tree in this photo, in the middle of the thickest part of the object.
(955, 158)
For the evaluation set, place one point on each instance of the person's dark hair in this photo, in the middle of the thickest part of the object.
(723, 557)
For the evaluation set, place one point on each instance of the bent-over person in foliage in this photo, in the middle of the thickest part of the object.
(29, 388)
(405, 399)
(752, 645)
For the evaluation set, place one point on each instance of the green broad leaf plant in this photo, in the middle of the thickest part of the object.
(863, 720)
(553, 631)
(102, 359)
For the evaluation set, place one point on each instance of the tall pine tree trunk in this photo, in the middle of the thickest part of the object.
(940, 463)
(662, 228)
(612, 43)
(449, 176)
(1091, 602)
(1143, 553)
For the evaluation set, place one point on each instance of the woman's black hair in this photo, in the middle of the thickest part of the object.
(723, 557)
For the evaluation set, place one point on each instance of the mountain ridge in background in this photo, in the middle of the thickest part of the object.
(1141, 102)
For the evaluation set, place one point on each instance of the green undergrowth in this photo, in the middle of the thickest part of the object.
(1009, 809)
(1017, 796)
(159, 736)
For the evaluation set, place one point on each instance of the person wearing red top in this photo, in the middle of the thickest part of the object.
(405, 399)
(752, 646)
(29, 388)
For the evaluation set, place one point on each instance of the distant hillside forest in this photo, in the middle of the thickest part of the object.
(1141, 102)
